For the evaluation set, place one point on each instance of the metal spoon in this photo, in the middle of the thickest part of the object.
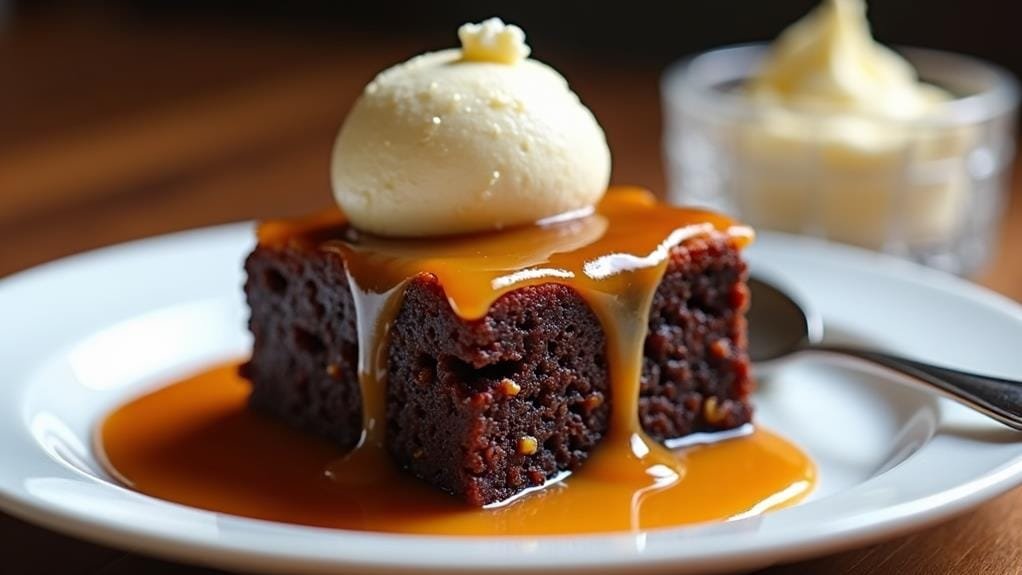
(780, 327)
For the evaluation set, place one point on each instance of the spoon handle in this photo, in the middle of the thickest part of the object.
(1000, 399)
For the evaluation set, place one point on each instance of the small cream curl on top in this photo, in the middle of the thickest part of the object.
(493, 41)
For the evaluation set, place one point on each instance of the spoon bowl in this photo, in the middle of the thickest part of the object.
(778, 323)
(780, 328)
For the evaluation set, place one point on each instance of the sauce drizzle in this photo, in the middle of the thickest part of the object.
(614, 258)
(209, 452)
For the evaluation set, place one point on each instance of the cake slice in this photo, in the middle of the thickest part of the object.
(486, 408)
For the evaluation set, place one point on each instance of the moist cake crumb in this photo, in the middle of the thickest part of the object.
(486, 408)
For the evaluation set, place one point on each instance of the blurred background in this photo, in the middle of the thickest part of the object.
(644, 32)
(121, 119)
(124, 119)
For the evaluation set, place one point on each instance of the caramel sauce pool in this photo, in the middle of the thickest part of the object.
(195, 442)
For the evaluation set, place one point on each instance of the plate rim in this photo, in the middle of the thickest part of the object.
(900, 518)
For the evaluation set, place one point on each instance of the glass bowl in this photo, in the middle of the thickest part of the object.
(931, 190)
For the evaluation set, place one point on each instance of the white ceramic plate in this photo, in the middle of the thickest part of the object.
(83, 334)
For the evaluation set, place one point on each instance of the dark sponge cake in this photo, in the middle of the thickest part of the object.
(304, 365)
(696, 374)
(466, 399)
(486, 408)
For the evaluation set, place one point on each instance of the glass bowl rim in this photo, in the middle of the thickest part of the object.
(680, 85)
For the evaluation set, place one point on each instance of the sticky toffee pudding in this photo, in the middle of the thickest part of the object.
(483, 340)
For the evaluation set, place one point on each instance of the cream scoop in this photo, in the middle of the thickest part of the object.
(829, 62)
(468, 140)
(834, 149)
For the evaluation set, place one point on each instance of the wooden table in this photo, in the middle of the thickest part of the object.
(113, 131)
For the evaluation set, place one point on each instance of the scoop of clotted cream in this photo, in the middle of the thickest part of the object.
(829, 62)
(837, 142)
(468, 140)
